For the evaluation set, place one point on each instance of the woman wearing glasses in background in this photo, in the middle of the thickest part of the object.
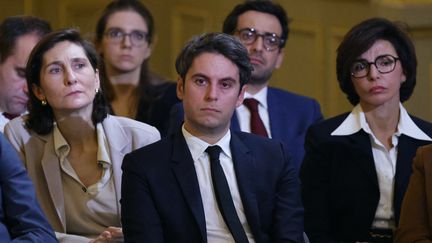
(357, 165)
(124, 35)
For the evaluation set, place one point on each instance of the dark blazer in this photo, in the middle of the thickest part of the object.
(21, 219)
(290, 116)
(161, 199)
(339, 182)
(415, 223)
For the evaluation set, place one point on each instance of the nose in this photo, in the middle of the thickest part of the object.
(127, 41)
(70, 77)
(258, 44)
(25, 87)
(212, 92)
(373, 73)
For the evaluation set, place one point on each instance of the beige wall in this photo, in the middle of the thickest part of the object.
(317, 28)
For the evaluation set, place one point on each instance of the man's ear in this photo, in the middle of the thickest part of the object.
(280, 57)
(180, 88)
(241, 96)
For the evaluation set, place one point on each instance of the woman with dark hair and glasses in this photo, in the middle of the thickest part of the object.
(124, 35)
(71, 147)
(357, 165)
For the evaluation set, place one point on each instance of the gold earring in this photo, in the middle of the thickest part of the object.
(43, 102)
(97, 90)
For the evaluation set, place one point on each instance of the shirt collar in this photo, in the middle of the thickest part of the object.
(198, 146)
(62, 148)
(261, 96)
(356, 121)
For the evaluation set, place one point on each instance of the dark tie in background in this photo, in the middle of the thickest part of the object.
(223, 196)
(257, 125)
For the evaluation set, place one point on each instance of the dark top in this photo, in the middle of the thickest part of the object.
(154, 109)
(340, 187)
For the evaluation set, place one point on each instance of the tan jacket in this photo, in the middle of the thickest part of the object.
(415, 223)
(37, 152)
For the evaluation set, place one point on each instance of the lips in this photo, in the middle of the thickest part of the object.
(256, 60)
(22, 100)
(377, 89)
(126, 57)
(209, 109)
(73, 93)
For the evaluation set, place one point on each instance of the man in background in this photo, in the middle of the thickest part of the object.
(18, 36)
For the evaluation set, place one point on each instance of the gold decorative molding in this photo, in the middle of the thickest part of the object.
(402, 3)
(186, 22)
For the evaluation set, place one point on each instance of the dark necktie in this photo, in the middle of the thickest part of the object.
(223, 196)
(256, 124)
(10, 116)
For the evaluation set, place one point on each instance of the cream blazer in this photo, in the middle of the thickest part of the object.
(37, 153)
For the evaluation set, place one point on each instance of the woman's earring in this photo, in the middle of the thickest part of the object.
(97, 90)
(43, 102)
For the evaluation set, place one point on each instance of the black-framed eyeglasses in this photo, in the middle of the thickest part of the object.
(248, 36)
(384, 64)
(137, 37)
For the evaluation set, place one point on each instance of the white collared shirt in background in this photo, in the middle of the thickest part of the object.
(385, 160)
(243, 113)
(217, 230)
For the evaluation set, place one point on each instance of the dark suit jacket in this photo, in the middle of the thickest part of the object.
(339, 182)
(161, 199)
(21, 219)
(290, 116)
(415, 223)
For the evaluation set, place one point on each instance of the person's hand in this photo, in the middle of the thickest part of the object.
(110, 235)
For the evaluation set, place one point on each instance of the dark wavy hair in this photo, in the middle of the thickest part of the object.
(219, 43)
(41, 117)
(110, 9)
(16, 26)
(230, 23)
(360, 38)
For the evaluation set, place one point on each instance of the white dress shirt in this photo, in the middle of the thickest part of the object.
(385, 160)
(217, 230)
(243, 113)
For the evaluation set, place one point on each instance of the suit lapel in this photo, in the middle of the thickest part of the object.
(117, 142)
(245, 171)
(184, 170)
(51, 168)
(275, 112)
(362, 154)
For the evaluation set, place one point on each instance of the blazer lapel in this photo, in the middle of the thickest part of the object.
(362, 154)
(275, 113)
(245, 171)
(184, 170)
(51, 168)
(117, 142)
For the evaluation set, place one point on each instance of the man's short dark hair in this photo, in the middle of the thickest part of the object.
(362, 37)
(41, 117)
(230, 23)
(16, 26)
(218, 43)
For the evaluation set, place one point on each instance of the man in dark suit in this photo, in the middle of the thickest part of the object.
(177, 190)
(262, 27)
(21, 219)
